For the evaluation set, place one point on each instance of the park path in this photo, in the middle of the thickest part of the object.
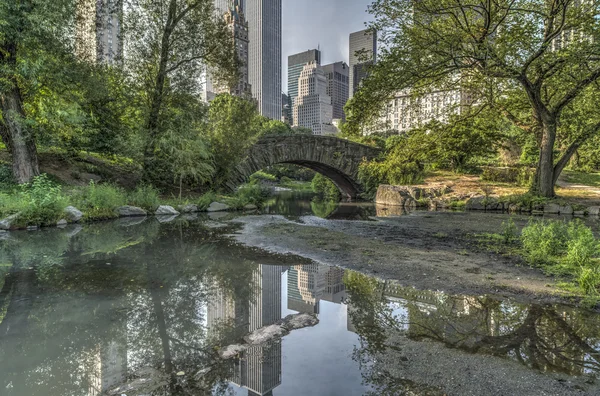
(563, 183)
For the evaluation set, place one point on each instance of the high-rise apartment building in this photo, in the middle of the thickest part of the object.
(363, 52)
(286, 109)
(312, 107)
(296, 64)
(337, 87)
(236, 21)
(264, 26)
(98, 35)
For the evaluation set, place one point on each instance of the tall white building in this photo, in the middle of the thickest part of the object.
(264, 26)
(98, 36)
(406, 112)
(312, 107)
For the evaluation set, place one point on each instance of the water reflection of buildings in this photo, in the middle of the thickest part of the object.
(309, 284)
(109, 367)
(259, 368)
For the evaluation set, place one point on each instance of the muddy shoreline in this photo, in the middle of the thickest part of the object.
(425, 250)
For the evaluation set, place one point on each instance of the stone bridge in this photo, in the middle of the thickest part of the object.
(335, 158)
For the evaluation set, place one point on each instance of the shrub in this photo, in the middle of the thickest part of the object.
(206, 199)
(563, 248)
(544, 241)
(100, 201)
(509, 231)
(262, 176)
(249, 194)
(522, 176)
(43, 202)
(144, 196)
(325, 188)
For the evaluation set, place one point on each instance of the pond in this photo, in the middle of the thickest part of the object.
(144, 307)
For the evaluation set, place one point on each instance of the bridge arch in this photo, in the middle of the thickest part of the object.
(338, 159)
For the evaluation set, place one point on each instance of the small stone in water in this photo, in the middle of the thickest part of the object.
(181, 372)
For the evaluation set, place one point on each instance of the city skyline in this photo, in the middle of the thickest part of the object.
(331, 38)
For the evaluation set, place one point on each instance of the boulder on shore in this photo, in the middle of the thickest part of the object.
(552, 208)
(189, 208)
(131, 211)
(476, 203)
(217, 207)
(6, 223)
(73, 214)
(166, 210)
(409, 196)
(593, 210)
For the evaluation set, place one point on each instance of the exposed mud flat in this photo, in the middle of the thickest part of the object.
(426, 250)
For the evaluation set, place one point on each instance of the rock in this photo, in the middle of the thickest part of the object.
(567, 210)
(7, 223)
(217, 207)
(398, 195)
(131, 211)
(62, 223)
(269, 333)
(552, 208)
(73, 214)
(250, 207)
(189, 208)
(593, 210)
(165, 210)
(32, 228)
(476, 203)
(492, 204)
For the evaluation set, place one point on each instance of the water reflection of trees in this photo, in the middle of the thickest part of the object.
(80, 310)
(547, 338)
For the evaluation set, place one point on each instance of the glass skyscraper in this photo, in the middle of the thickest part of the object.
(264, 58)
(363, 51)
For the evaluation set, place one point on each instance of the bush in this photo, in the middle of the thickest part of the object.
(569, 249)
(100, 201)
(7, 180)
(205, 200)
(262, 176)
(325, 188)
(249, 194)
(509, 231)
(41, 202)
(145, 197)
(522, 176)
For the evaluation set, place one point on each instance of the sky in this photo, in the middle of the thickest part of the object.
(328, 23)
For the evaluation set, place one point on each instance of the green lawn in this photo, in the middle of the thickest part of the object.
(586, 179)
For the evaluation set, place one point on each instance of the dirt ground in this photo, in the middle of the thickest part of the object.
(426, 250)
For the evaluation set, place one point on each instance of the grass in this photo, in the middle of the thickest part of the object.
(585, 179)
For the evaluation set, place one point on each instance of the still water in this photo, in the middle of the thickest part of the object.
(85, 309)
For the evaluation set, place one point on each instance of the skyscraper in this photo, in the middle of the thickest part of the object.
(98, 35)
(312, 107)
(363, 52)
(296, 63)
(337, 87)
(264, 25)
(236, 21)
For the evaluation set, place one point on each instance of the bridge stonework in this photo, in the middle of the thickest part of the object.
(337, 159)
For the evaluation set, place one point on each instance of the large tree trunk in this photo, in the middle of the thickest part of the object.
(19, 141)
(545, 176)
